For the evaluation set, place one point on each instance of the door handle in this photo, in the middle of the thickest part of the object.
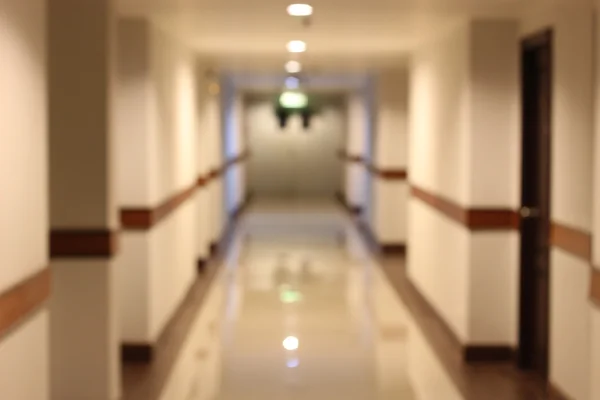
(529, 212)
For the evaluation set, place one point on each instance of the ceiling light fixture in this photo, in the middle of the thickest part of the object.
(291, 343)
(293, 67)
(296, 46)
(291, 82)
(299, 10)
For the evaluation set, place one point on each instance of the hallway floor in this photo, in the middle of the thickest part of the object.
(304, 279)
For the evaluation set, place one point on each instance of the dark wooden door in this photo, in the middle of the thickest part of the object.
(536, 79)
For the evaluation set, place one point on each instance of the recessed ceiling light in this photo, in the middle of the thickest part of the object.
(291, 343)
(291, 82)
(296, 46)
(293, 67)
(299, 10)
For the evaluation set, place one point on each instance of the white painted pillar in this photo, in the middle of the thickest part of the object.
(203, 165)
(83, 217)
(356, 174)
(464, 149)
(217, 159)
(390, 189)
(157, 144)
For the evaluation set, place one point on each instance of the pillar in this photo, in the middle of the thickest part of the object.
(205, 97)
(356, 190)
(157, 179)
(216, 159)
(465, 183)
(388, 167)
(83, 217)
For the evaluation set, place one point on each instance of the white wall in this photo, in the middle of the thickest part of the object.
(438, 260)
(571, 197)
(439, 112)
(157, 151)
(234, 144)
(463, 125)
(24, 199)
(357, 192)
(389, 197)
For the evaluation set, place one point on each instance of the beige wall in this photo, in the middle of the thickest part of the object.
(24, 355)
(470, 155)
(595, 308)
(157, 145)
(571, 197)
(463, 135)
(355, 181)
(389, 197)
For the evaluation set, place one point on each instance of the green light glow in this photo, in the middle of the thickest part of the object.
(293, 100)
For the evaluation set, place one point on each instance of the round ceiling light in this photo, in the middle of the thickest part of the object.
(291, 82)
(299, 10)
(296, 46)
(293, 67)
(291, 343)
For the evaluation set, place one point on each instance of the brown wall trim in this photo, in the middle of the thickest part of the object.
(393, 248)
(352, 209)
(216, 172)
(22, 299)
(476, 219)
(146, 218)
(350, 157)
(203, 180)
(388, 173)
(574, 241)
(82, 243)
(595, 286)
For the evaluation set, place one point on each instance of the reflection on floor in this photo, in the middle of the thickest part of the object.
(301, 311)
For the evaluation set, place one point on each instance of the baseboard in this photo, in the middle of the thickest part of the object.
(393, 248)
(470, 354)
(488, 353)
(137, 352)
(554, 393)
(369, 236)
(352, 209)
(201, 264)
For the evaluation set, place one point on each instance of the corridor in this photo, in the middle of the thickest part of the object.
(300, 310)
(357, 200)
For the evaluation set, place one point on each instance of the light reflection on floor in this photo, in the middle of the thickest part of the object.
(300, 311)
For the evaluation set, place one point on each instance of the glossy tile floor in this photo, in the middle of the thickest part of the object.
(301, 311)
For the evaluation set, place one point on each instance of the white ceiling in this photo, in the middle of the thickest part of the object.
(344, 34)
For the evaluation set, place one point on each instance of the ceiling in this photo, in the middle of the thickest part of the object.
(344, 34)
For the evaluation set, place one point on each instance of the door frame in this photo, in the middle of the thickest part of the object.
(527, 312)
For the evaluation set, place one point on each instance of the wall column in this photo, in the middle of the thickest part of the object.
(157, 175)
(464, 177)
(388, 168)
(356, 189)
(217, 167)
(83, 214)
(203, 164)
